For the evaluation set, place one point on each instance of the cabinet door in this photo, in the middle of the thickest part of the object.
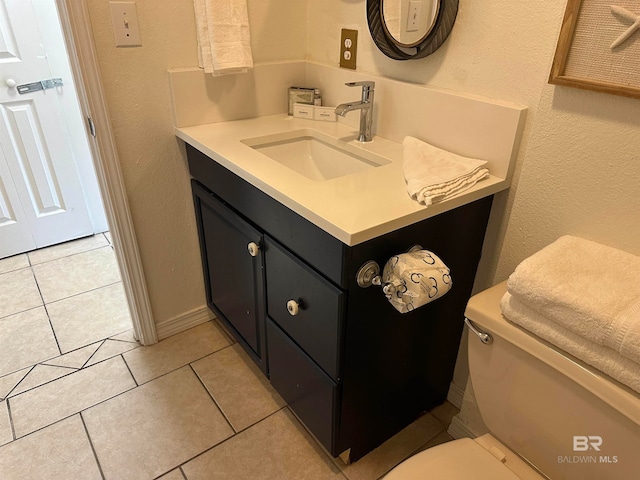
(234, 276)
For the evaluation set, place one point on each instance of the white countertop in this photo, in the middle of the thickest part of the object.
(353, 208)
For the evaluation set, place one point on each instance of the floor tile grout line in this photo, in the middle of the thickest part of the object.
(184, 475)
(168, 471)
(35, 279)
(215, 402)
(123, 341)
(18, 384)
(135, 380)
(22, 311)
(45, 364)
(40, 385)
(93, 449)
(23, 267)
(13, 428)
(68, 255)
(53, 330)
(44, 383)
(258, 421)
(93, 354)
(120, 333)
(320, 447)
(44, 305)
(129, 389)
(181, 366)
(81, 293)
(75, 370)
(23, 368)
(75, 413)
(221, 442)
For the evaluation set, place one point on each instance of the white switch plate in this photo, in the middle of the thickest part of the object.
(413, 18)
(125, 24)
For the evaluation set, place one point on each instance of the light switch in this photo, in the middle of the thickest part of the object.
(125, 24)
(413, 18)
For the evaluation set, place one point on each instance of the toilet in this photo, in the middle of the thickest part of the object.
(549, 415)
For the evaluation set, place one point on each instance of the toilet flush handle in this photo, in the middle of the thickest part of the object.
(484, 337)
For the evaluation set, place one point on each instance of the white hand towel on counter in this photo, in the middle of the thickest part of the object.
(603, 358)
(588, 288)
(433, 174)
(224, 38)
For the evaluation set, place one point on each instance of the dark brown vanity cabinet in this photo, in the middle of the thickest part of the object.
(353, 369)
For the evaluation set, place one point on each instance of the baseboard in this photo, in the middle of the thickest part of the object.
(183, 322)
(458, 429)
(455, 395)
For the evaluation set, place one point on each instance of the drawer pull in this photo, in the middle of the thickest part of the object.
(254, 249)
(292, 307)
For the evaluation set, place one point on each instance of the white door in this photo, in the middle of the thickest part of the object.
(41, 198)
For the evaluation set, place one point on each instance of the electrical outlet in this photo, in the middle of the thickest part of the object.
(348, 48)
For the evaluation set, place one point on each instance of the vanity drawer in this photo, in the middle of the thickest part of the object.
(310, 393)
(316, 326)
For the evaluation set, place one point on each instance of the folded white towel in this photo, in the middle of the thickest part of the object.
(433, 174)
(588, 288)
(604, 359)
(624, 334)
(224, 38)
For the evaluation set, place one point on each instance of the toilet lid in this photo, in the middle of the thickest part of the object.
(461, 459)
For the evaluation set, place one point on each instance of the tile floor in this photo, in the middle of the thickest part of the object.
(80, 399)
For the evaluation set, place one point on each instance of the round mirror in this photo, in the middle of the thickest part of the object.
(409, 29)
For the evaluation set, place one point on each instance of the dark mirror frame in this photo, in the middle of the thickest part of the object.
(429, 44)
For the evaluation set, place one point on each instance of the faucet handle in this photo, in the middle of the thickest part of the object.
(365, 84)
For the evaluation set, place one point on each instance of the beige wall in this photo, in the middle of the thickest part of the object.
(154, 169)
(576, 171)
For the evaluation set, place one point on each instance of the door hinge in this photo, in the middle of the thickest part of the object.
(92, 127)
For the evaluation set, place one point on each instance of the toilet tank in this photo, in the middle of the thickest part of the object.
(565, 418)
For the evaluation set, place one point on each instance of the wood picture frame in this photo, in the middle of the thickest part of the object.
(559, 75)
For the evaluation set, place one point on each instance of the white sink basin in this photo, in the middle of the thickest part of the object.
(315, 155)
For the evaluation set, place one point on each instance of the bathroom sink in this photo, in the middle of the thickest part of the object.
(315, 155)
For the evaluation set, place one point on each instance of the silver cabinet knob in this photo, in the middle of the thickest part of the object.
(10, 82)
(293, 307)
(253, 249)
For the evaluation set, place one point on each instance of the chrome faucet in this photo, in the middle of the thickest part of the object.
(365, 106)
